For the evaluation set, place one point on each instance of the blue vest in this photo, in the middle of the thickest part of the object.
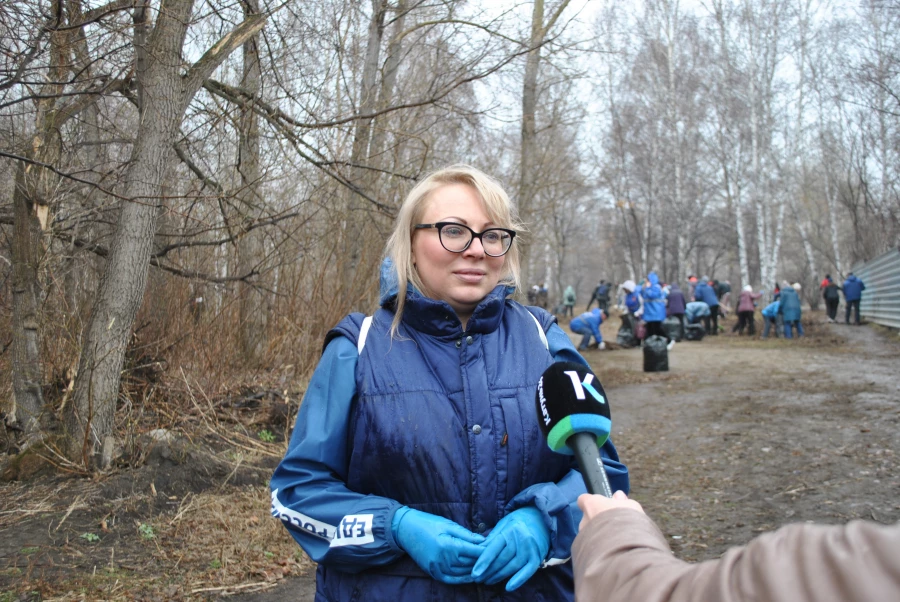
(445, 422)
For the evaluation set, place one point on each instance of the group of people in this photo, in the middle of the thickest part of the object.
(417, 468)
(652, 302)
(853, 288)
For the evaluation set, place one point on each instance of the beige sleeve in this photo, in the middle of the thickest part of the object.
(622, 556)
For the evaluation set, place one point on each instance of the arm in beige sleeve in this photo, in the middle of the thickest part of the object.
(621, 555)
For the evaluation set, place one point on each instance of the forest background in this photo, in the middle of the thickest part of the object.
(193, 191)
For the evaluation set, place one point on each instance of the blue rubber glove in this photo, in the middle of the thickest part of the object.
(515, 548)
(441, 548)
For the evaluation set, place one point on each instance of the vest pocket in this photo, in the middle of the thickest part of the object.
(511, 451)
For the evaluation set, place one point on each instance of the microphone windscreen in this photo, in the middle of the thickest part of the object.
(569, 400)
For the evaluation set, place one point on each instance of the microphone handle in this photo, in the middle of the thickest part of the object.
(587, 454)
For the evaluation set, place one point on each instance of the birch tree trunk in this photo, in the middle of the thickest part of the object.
(165, 94)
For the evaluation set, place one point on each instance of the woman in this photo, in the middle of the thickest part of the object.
(416, 470)
(654, 302)
(790, 309)
(569, 302)
(745, 310)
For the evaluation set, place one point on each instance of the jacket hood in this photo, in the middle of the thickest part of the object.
(653, 278)
(629, 286)
(387, 281)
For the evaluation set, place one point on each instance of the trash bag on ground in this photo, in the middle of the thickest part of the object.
(694, 332)
(673, 329)
(625, 338)
(656, 356)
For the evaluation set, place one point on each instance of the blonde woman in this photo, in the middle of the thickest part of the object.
(416, 470)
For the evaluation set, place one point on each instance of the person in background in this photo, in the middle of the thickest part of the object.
(790, 309)
(601, 294)
(704, 292)
(696, 310)
(588, 324)
(676, 303)
(832, 297)
(543, 297)
(745, 310)
(569, 301)
(655, 308)
(417, 469)
(853, 288)
(723, 294)
(633, 300)
(620, 555)
(692, 284)
(770, 316)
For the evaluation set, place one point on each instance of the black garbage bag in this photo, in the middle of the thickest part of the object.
(673, 329)
(656, 356)
(625, 338)
(694, 332)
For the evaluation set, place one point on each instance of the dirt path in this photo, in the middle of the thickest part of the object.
(742, 436)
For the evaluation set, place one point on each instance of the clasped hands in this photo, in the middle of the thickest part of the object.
(452, 554)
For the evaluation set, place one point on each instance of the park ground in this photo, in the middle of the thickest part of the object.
(740, 436)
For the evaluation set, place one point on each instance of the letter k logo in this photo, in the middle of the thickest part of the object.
(581, 385)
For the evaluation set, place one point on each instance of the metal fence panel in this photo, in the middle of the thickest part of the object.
(881, 300)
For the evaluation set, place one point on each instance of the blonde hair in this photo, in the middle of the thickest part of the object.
(497, 206)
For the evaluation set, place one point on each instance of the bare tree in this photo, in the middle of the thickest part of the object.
(164, 94)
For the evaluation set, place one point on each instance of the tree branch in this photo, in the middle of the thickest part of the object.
(206, 64)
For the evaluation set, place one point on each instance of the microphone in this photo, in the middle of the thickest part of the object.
(574, 416)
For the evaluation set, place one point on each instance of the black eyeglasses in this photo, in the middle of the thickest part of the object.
(456, 238)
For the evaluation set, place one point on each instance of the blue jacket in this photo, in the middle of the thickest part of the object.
(695, 310)
(790, 304)
(589, 321)
(704, 292)
(676, 301)
(853, 288)
(437, 419)
(654, 300)
(771, 310)
(633, 301)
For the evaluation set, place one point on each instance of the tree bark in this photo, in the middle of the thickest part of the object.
(528, 149)
(28, 400)
(31, 199)
(89, 419)
(251, 244)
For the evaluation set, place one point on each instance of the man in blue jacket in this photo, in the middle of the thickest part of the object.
(588, 324)
(853, 288)
(704, 292)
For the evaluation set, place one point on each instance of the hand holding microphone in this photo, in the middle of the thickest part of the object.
(573, 413)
